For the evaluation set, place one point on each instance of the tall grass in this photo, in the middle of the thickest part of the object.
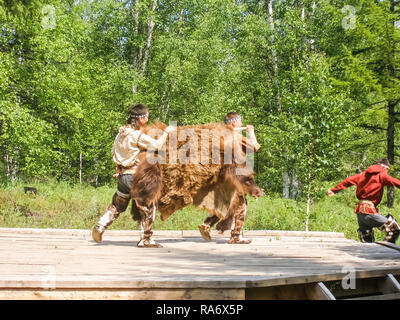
(65, 206)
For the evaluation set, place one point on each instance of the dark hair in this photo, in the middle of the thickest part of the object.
(384, 161)
(230, 115)
(135, 111)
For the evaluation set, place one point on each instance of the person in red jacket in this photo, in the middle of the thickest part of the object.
(369, 192)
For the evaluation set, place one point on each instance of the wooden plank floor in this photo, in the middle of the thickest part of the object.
(48, 263)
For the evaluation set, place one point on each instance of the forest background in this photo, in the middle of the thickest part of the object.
(319, 80)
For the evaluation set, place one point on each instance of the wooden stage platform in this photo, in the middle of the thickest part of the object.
(67, 264)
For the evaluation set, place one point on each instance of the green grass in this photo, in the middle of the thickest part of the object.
(64, 206)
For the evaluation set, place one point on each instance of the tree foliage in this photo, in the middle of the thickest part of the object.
(318, 79)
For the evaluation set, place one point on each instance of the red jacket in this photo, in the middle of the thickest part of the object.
(369, 183)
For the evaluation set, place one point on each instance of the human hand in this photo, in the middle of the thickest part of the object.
(250, 128)
(170, 129)
(330, 193)
(117, 172)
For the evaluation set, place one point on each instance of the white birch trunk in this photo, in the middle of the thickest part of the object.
(15, 165)
(7, 161)
(136, 17)
(274, 55)
(180, 21)
(136, 30)
(165, 100)
(312, 41)
(136, 34)
(80, 168)
(143, 53)
(294, 187)
(286, 185)
(150, 28)
(308, 202)
(286, 179)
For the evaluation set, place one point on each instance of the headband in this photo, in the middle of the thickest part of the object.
(384, 165)
(233, 119)
(137, 116)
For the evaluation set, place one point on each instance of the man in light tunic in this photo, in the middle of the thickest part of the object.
(128, 143)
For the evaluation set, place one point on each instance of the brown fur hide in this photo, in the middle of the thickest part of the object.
(194, 178)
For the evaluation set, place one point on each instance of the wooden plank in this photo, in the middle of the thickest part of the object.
(318, 291)
(271, 233)
(184, 262)
(70, 232)
(181, 267)
(173, 233)
(132, 294)
(176, 281)
(389, 245)
(177, 264)
(121, 281)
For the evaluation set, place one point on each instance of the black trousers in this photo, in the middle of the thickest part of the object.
(369, 221)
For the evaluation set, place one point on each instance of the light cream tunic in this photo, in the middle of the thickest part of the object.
(127, 145)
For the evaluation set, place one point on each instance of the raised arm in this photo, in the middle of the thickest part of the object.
(252, 137)
(390, 181)
(348, 182)
(147, 142)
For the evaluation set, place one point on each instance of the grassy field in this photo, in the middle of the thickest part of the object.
(64, 206)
